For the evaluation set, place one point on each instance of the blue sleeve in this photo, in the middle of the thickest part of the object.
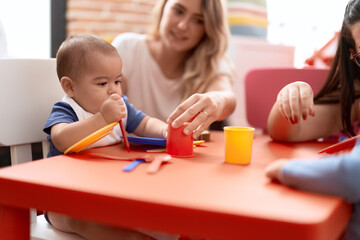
(134, 116)
(61, 112)
(334, 175)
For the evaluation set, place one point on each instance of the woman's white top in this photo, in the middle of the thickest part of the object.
(147, 88)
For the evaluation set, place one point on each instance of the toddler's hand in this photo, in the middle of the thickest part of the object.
(113, 109)
(295, 100)
(273, 170)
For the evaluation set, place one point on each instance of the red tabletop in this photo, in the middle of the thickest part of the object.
(200, 196)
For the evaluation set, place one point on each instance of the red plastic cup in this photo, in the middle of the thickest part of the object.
(178, 144)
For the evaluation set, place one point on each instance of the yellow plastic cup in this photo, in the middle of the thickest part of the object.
(238, 144)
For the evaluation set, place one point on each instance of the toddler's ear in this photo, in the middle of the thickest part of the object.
(67, 85)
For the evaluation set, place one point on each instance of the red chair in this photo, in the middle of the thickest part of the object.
(263, 84)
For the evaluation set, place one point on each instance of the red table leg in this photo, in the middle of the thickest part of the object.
(14, 223)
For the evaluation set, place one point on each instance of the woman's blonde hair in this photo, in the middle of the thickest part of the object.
(203, 62)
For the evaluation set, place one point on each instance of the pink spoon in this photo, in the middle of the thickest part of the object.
(156, 163)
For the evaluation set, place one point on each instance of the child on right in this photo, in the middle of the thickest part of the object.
(295, 117)
(336, 175)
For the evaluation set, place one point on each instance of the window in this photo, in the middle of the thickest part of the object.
(27, 27)
(305, 24)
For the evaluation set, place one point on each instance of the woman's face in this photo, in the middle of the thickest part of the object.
(355, 32)
(182, 24)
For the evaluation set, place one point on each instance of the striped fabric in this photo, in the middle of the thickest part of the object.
(248, 17)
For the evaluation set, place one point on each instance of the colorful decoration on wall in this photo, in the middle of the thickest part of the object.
(248, 17)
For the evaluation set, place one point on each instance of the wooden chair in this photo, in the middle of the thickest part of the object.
(28, 89)
(263, 84)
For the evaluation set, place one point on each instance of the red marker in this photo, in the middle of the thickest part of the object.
(348, 143)
(126, 141)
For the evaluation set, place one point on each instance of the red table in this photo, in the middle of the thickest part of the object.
(199, 197)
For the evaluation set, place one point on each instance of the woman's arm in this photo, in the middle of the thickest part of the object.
(325, 123)
(222, 90)
(294, 117)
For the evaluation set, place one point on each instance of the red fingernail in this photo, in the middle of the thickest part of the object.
(296, 119)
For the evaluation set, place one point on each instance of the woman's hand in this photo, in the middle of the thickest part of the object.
(200, 110)
(295, 100)
(113, 109)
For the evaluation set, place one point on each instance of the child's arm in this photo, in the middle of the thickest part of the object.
(293, 117)
(335, 175)
(151, 127)
(64, 135)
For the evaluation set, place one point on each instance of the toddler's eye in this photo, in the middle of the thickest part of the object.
(118, 82)
(102, 84)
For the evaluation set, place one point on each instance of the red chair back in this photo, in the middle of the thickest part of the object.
(263, 84)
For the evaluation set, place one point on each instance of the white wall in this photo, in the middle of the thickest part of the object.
(247, 53)
(296, 29)
(305, 24)
(27, 27)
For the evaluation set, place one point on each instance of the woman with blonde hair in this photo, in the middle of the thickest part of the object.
(179, 71)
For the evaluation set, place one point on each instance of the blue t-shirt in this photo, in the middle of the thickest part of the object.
(336, 175)
(62, 112)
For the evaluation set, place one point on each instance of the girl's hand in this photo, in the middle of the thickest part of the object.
(113, 109)
(273, 170)
(200, 110)
(295, 100)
